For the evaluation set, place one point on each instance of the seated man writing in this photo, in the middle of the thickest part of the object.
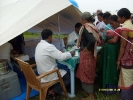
(45, 56)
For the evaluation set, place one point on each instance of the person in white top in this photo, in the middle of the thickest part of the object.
(72, 37)
(96, 18)
(5, 51)
(100, 24)
(45, 57)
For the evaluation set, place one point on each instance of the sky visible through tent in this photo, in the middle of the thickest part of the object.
(104, 5)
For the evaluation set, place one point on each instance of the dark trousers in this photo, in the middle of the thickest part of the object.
(66, 79)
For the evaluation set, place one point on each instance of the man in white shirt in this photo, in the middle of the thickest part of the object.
(72, 37)
(96, 18)
(5, 51)
(46, 55)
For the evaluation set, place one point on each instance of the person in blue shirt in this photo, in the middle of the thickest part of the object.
(107, 26)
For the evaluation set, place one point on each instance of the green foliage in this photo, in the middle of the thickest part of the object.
(28, 35)
(59, 36)
(31, 35)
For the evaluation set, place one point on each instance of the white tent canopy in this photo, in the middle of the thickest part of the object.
(18, 16)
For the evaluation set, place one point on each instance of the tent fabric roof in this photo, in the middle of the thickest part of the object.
(68, 17)
(21, 15)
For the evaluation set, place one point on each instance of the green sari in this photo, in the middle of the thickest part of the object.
(107, 68)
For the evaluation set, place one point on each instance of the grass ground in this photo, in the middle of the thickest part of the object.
(81, 94)
(31, 36)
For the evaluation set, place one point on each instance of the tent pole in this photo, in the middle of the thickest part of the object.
(58, 23)
(59, 29)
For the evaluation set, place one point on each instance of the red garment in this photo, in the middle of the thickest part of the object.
(110, 33)
(86, 68)
(127, 59)
(118, 30)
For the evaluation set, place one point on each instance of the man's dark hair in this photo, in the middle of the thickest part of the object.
(100, 14)
(78, 25)
(46, 33)
(124, 12)
(106, 15)
(113, 18)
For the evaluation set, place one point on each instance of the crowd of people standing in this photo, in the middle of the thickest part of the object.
(114, 33)
(115, 64)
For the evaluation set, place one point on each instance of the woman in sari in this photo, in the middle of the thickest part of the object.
(106, 16)
(87, 42)
(125, 58)
(107, 67)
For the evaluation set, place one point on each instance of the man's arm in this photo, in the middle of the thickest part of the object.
(56, 54)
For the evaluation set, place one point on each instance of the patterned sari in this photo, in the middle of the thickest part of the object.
(86, 68)
(126, 73)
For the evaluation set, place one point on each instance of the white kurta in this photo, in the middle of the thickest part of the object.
(71, 38)
(96, 20)
(99, 26)
(45, 56)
